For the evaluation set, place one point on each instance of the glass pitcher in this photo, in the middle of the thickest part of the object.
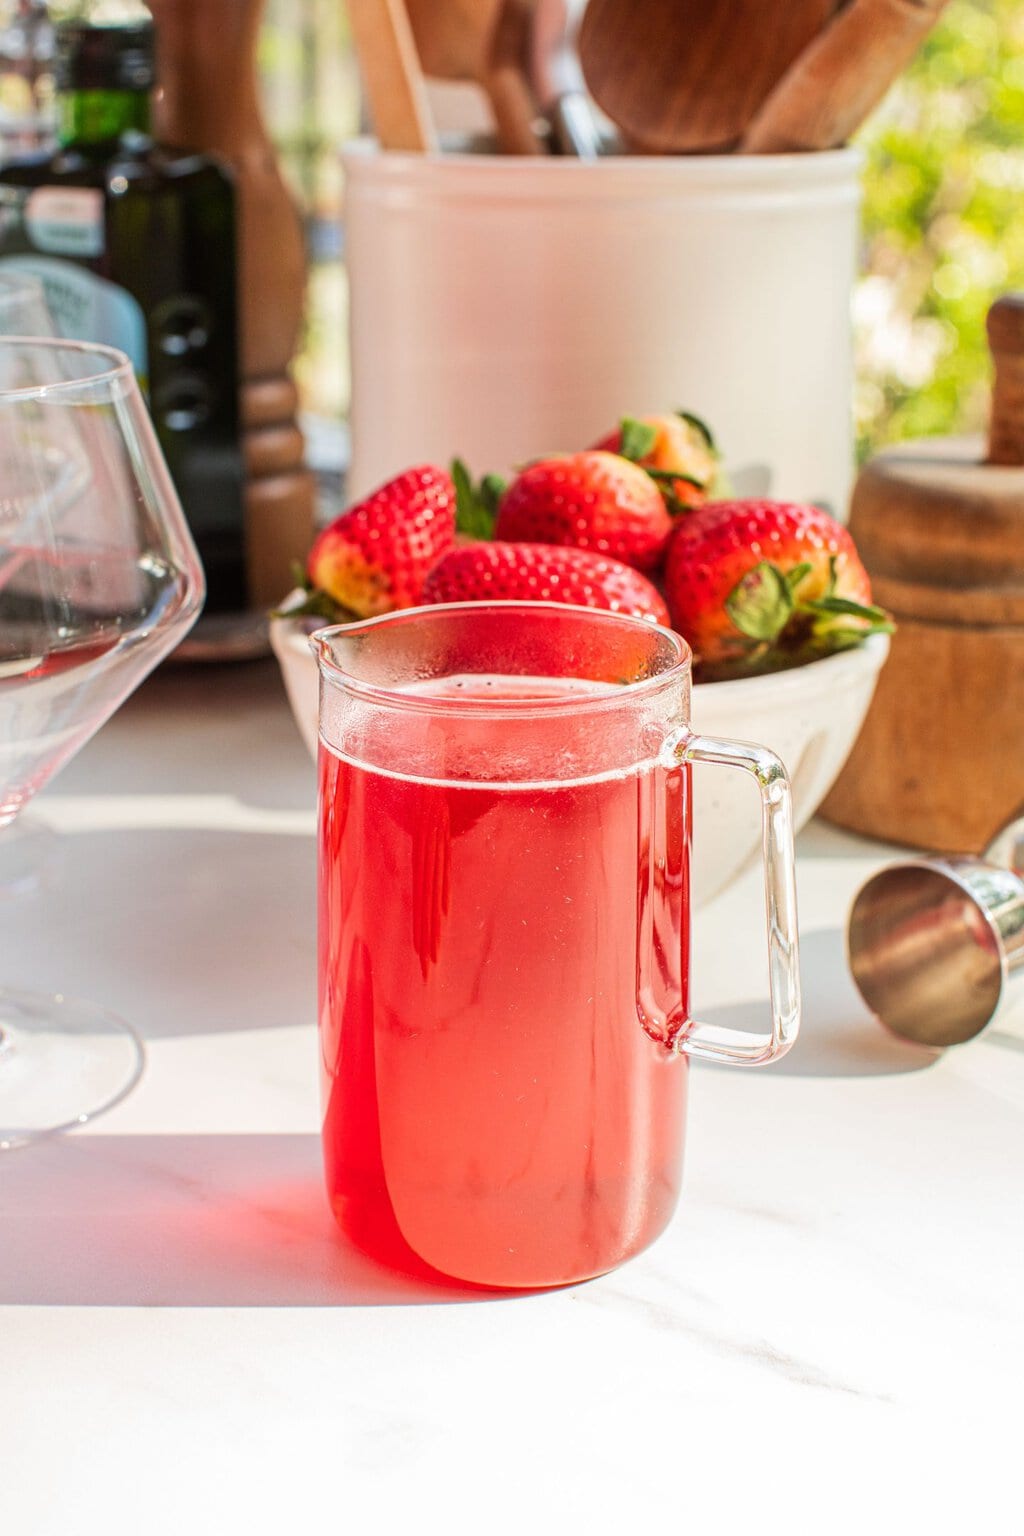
(504, 949)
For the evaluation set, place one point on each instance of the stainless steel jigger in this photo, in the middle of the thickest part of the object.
(933, 943)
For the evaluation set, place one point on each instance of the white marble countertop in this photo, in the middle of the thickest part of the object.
(829, 1336)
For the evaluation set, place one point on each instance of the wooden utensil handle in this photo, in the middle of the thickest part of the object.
(1006, 340)
(841, 76)
(505, 80)
(513, 110)
(392, 76)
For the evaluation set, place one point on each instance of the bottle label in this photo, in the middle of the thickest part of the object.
(86, 307)
(66, 221)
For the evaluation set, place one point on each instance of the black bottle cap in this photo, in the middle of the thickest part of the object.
(97, 58)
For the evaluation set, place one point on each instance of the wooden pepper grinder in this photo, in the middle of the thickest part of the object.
(209, 101)
(940, 527)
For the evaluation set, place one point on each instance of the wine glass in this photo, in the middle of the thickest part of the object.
(99, 580)
(28, 849)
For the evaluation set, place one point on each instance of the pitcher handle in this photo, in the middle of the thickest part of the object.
(711, 1041)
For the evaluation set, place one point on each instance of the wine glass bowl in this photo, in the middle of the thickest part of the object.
(99, 580)
(29, 849)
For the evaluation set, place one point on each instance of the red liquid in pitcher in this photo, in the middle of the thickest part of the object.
(502, 967)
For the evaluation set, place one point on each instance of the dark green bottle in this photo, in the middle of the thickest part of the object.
(135, 244)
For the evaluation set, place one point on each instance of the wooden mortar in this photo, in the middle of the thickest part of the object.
(940, 761)
(209, 100)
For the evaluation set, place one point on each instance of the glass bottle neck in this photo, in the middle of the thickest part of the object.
(100, 117)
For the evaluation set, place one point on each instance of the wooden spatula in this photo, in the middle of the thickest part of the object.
(688, 75)
(392, 74)
(841, 76)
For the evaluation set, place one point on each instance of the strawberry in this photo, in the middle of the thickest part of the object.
(758, 585)
(592, 500)
(375, 557)
(677, 450)
(504, 572)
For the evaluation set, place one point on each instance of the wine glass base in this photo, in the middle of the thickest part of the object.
(62, 1063)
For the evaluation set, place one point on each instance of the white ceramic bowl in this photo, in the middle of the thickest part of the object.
(809, 716)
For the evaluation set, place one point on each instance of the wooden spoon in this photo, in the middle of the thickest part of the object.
(678, 75)
(392, 74)
(841, 76)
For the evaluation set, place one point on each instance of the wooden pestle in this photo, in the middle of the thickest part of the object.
(940, 526)
(841, 76)
(209, 101)
(1006, 342)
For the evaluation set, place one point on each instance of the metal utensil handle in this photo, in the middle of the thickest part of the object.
(711, 1041)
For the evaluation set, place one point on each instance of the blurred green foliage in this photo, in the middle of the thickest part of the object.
(943, 226)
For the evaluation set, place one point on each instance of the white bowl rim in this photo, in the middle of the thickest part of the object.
(826, 672)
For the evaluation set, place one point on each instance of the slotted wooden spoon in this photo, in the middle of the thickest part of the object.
(841, 76)
(688, 75)
(485, 41)
(452, 35)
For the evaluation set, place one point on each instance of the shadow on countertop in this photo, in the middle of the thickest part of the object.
(181, 930)
(214, 728)
(838, 1036)
(187, 1221)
